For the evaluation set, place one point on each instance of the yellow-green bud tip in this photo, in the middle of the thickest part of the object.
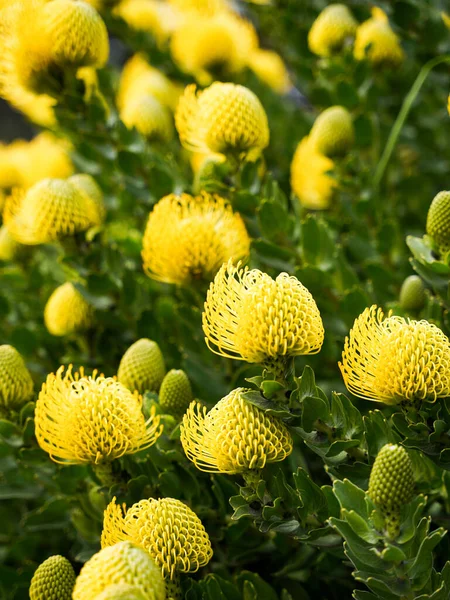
(412, 293)
(54, 579)
(142, 367)
(175, 394)
(438, 221)
(391, 482)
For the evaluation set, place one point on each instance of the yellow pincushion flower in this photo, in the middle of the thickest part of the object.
(393, 359)
(93, 195)
(138, 79)
(77, 32)
(329, 31)
(67, 312)
(270, 68)
(376, 41)
(310, 180)
(50, 210)
(204, 44)
(333, 133)
(234, 436)
(149, 116)
(10, 168)
(142, 367)
(167, 529)
(122, 591)
(152, 16)
(119, 565)
(16, 385)
(224, 118)
(93, 419)
(54, 579)
(189, 238)
(250, 316)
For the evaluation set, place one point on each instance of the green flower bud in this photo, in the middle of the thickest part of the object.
(54, 579)
(412, 293)
(175, 394)
(142, 367)
(16, 385)
(332, 133)
(438, 221)
(391, 484)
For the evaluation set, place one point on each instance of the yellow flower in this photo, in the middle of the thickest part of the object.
(93, 419)
(309, 177)
(93, 195)
(8, 246)
(16, 385)
(54, 579)
(139, 79)
(376, 41)
(152, 16)
(204, 7)
(333, 133)
(142, 367)
(50, 210)
(122, 591)
(234, 436)
(394, 359)
(250, 316)
(330, 30)
(189, 238)
(446, 19)
(224, 118)
(204, 44)
(119, 565)
(77, 32)
(270, 68)
(167, 529)
(67, 312)
(149, 116)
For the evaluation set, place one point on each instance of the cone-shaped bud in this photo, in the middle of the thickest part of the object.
(88, 187)
(332, 133)
(438, 221)
(77, 32)
(149, 116)
(54, 579)
(234, 436)
(270, 68)
(67, 311)
(169, 530)
(391, 484)
(310, 178)
(376, 41)
(412, 293)
(330, 30)
(225, 118)
(142, 367)
(16, 385)
(122, 563)
(175, 393)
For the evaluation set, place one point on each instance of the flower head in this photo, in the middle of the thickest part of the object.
(8, 245)
(16, 385)
(394, 359)
(224, 118)
(155, 17)
(50, 210)
(67, 311)
(142, 367)
(269, 67)
(119, 565)
(250, 316)
(93, 419)
(122, 591)
(189, 238)
(204, 43)
(93, 195)
(438, 221)
(330, 30)
(77, 32)
(310, 180)
(54, 579)
(169, 530)
(149, 116)
(376, 41)
(175, 394)
(333, 133)
(234, 436)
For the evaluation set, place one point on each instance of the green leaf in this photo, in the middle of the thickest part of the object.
(420, 570)
(272, 408)
(351, 497)
(312, 498)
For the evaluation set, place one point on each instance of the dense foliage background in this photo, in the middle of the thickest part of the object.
(350, 256)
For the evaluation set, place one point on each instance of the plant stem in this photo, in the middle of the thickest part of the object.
(403, 114)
